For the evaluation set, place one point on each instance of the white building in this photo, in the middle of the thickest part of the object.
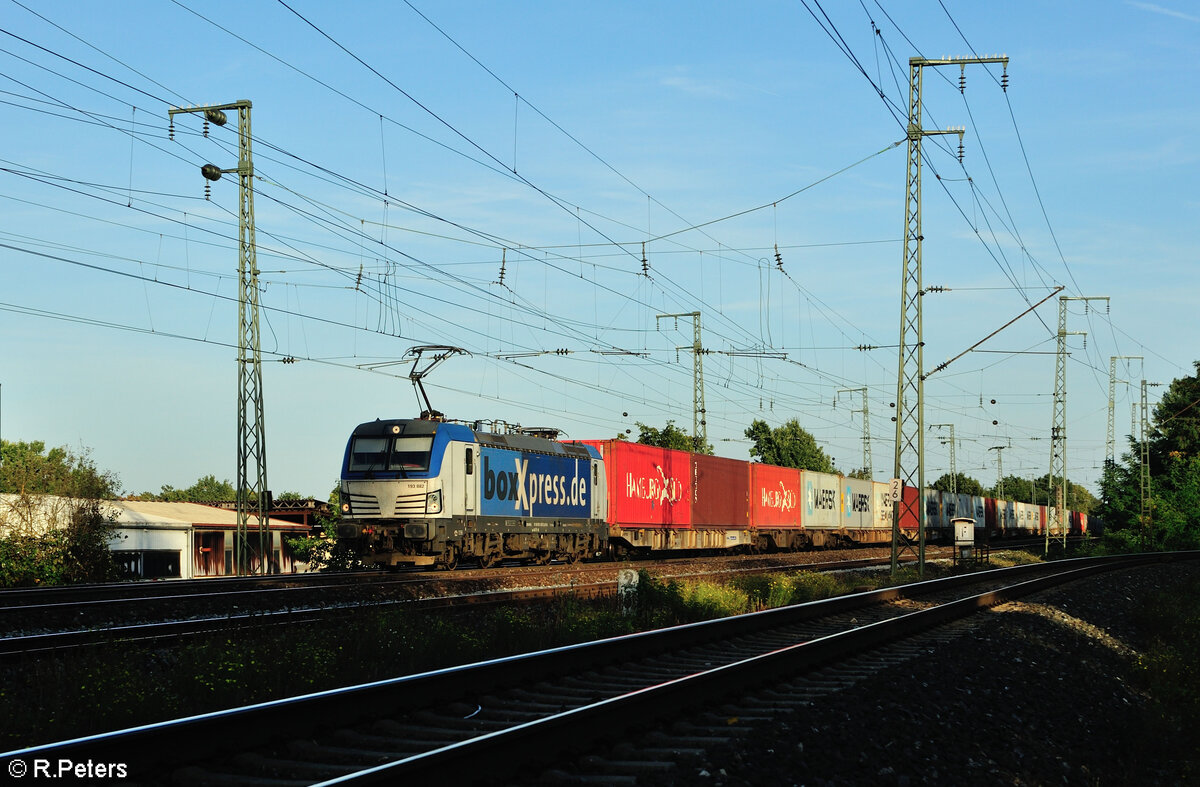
(162, 540)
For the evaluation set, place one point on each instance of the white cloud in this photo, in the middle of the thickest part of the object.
(1158, 9)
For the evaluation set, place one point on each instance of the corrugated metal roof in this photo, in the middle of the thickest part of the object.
(137, 512)
(38, 513)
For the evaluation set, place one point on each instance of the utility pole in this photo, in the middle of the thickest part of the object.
(953, 468)
(1110, 443)
(999, 449)
(910, 382)
(1058, 427)
(1147, 514)
(699, 424)
(253, 496)
(866, 429)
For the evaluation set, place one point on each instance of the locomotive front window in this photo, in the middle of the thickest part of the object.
(411, 453)
(369, 453)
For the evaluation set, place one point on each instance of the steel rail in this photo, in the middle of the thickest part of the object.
(213, 734)
(29, 644)
(74, 636)
(533, 743)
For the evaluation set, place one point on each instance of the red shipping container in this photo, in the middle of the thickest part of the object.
(775, 496)
(647, 486)
(908, 509)
(721, 493)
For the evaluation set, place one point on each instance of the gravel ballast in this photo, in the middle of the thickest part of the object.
(1038, 693)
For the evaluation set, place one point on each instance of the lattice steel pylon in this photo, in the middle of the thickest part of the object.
(1111, 441)
(999, 449)
(866, 429)
(253, 496)
(910, 384)
(1147, 511)
(953, 467)
(1057, 478)
(699, 422)
(1144, 475)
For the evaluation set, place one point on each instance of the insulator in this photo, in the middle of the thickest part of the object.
(1004, 81)
(211, 172)
(960, 152)
(207, 190)
(206, 127)
(778, 258)
(962, 80)
(216, 116)
(171, 130)
(645, 263)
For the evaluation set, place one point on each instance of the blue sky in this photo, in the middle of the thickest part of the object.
(402, 158)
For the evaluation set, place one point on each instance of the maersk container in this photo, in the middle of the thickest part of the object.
(775, 496)
(821, 506)
(721, 493)
(883, 505)
(858, 504)
(647, 486)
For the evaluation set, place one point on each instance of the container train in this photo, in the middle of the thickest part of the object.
(430, 492)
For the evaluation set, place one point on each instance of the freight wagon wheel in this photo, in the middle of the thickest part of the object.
(490, 560)
(541, 559)
(571, 558)
(449, 558)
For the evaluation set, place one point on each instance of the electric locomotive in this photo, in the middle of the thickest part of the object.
(428, 492)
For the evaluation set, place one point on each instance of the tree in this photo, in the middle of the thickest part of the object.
(1173, 507)
(1037, 490)
(324, 551)
(54, 527)
(859, 473)
(962, 484)
(787, 446)
(207, 489)
(1175, 431)
(30, 469)
(671, 436)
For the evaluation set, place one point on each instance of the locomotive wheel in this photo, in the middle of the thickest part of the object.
(449, 558)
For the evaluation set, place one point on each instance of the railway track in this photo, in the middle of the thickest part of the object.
(46, 642)
(306, 610)
(510, 719)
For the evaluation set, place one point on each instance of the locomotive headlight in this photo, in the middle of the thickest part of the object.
(345, 508)
(433, 502)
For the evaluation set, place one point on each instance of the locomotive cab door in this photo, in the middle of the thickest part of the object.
(470, 466)
(599, 487)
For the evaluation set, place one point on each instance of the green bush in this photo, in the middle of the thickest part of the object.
(77, 552)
